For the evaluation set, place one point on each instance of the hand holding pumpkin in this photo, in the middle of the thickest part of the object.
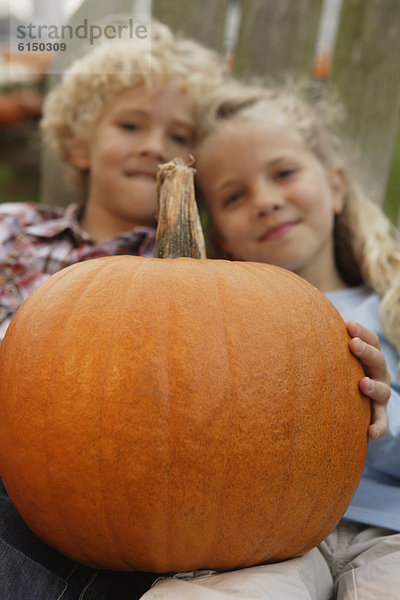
(376, 385)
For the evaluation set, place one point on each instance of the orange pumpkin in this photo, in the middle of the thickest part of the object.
(16, 107)
(180, 413)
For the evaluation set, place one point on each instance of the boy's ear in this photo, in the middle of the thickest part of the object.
(79, 155)
(338, 185)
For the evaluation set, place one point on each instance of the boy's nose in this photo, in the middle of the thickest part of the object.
(153, 145)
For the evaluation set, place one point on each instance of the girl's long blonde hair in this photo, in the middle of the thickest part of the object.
(367, 245)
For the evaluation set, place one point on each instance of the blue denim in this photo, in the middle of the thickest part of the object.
(30, 570)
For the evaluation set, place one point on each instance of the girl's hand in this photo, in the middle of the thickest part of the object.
(376, 385)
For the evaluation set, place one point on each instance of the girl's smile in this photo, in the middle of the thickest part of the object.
(279, 230)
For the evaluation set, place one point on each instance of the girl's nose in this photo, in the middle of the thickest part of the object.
(268, 197)
(153, 145)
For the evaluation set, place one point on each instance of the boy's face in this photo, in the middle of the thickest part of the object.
(138, 130)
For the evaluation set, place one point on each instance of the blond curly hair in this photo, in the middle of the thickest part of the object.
(367, 245)
(73, 107)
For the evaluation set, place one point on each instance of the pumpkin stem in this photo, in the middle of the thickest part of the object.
(179, 231)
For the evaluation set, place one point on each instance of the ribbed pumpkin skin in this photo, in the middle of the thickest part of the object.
(173, 414)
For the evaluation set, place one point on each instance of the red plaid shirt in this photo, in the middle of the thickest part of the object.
(36, 241)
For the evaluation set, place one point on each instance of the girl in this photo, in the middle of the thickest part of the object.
(276, 191)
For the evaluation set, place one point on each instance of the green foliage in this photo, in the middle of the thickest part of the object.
(391, 203)
(17, 185)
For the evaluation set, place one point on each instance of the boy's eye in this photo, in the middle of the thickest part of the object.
(129, 126)
(182, 140)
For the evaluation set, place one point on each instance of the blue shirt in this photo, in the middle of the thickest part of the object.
(377, 499)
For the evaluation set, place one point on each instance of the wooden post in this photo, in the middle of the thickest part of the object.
(366, 73)
(202, 20)
(277, 38)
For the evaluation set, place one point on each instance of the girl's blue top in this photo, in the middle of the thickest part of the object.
(377, 499)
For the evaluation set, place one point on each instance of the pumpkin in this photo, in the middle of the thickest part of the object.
(16, 107)
(166, 415)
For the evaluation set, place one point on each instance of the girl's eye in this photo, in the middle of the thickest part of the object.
(285, 173)
(233, 198)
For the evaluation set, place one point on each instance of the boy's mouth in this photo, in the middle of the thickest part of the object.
(142, 173)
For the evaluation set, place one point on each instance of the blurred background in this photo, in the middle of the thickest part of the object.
(22, 90)
(349, 46)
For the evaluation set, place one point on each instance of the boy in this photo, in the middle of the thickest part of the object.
(111, 128)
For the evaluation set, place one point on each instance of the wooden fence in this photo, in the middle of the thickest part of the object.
(276, 38)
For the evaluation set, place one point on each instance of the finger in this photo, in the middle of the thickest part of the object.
(368, 336)
(379, 422)
(376, 390)
(372, 359)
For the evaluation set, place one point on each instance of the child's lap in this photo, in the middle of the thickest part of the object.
(303, 578)
(356, 562)
(364, 560)
(30, 570)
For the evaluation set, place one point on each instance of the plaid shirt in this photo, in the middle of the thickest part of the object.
(36, 241)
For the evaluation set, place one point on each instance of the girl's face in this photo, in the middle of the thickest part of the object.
(270, 199)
